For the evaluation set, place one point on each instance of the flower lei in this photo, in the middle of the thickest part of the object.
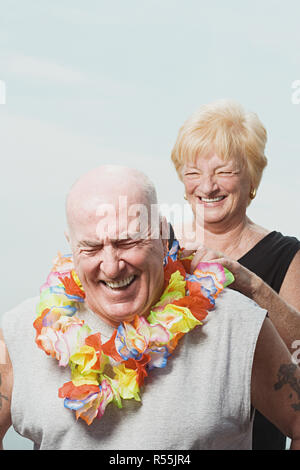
(109, 372)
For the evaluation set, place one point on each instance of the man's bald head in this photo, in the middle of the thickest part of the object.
(116, 257)
(104, 185)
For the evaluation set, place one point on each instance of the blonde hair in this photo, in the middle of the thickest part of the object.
(223, 127)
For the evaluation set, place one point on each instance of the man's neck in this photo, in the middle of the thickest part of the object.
(114, 323)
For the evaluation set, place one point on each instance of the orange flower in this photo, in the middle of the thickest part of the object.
(197, 305)
(69, 390)
(71, 286)
(109, 348)
(139, 366)
(174, 341)
(186, 262)
(195, 290)
(38, 325)
(95, 342)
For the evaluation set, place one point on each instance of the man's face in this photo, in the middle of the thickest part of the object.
(121, 269)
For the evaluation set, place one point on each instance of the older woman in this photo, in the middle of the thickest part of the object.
(219, 157)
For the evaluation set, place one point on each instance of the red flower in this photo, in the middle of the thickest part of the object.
(172, 267)
(139, 366)
(70, 391)
(195, 290)
(109, 348)
(38, 325)
(197, 305)
(186, 264)
(71, 287)
(95, 342)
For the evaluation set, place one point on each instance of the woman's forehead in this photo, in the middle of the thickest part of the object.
(213, 159)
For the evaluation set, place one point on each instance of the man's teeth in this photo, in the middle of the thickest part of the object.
(212, 199)
(123, 283)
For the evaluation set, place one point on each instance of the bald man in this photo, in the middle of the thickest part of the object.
(203, 399)
(104, 208)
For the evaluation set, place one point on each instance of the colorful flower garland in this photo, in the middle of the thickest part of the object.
(115, 370)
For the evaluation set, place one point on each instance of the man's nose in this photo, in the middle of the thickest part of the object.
(111, 264)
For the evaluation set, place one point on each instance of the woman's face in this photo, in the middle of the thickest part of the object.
(221, 189)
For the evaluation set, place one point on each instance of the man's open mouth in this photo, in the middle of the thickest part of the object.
(123, 283)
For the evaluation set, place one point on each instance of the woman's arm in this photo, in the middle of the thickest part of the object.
(275, 384)
(283, 309)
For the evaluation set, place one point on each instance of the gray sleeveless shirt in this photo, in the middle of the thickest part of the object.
(200, 400)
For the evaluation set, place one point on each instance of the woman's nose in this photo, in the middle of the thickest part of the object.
(111, 264)
(208, 184)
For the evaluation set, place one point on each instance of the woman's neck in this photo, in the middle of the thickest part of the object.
(233, 241)
(230, 242)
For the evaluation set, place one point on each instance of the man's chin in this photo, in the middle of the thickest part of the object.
(114, 314)
(114, 319)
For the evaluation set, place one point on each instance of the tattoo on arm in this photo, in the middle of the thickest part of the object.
(286, 375)
(2, 397)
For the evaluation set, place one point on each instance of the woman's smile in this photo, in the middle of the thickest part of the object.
(208, 201)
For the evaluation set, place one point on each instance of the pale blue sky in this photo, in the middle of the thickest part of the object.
(91, 82)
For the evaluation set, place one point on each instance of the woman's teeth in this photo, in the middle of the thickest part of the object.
(123, 283)
(212, 199)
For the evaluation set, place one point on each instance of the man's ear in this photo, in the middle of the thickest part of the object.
(67, 237)
(164, 233)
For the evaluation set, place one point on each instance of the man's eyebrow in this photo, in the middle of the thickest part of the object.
(89, 243)
(124, 237)
(94, 244)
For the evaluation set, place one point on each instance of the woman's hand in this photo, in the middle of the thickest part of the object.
(245, 282)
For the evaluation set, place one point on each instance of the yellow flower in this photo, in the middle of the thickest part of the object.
(85, 358)
(76, 279)
(82, 363)
(175, 319)
(176, 284)
(47, 300)
(127, 382)
(174, 291)
(87, 379)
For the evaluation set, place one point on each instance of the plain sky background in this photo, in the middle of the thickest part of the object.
(94, 82)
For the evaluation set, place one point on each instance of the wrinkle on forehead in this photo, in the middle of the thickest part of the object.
(104, 185)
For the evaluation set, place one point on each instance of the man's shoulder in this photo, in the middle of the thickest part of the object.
(235, 322)
(233, 301)
(26, 304)
(25, 309)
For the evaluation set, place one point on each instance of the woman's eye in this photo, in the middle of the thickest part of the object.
(227, 173)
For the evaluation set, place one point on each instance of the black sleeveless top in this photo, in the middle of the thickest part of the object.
(270, 259)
